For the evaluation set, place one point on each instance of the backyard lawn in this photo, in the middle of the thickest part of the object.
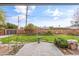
(33, 38)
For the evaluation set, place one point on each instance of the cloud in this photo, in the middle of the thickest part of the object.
(62, 22)
(41, 22)
(59, 17)
(55, 22)
(56, 18)
(22, 14)
(55, 12)
(14, 20)
(21, 17)
(32, 7)
(71, 11)
(22, 9)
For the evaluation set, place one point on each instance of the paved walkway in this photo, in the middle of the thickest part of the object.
(42, 49)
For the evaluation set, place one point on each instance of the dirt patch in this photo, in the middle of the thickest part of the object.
(10, 49)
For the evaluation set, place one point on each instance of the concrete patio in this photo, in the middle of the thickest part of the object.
(42, 49)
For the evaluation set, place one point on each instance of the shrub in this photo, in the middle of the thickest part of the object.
(62, 43)
(29, 29)
(48, 33)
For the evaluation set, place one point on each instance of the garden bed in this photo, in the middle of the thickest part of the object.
(16, 48)
(69, 51)
(10, 49)
(67, 46)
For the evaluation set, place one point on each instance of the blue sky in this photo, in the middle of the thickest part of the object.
(42, 15)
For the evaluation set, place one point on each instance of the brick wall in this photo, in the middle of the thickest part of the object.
(60, 31)
(54, 31)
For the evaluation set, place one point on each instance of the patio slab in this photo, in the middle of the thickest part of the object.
(42, 49)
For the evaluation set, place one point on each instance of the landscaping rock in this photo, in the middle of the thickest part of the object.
(72, 44)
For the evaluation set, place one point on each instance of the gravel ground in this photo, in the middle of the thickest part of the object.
(42, 49)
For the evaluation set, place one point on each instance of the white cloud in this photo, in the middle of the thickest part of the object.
(65, 22)
(14, 20)
(62, 22)
(32, 7)
(22, 15)
(56, 18)
(22, 9)
(56, 21)
(55, 12)
(71, 11)
(52, 22)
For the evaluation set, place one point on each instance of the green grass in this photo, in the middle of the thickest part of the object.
(33, 38)
(15, 39)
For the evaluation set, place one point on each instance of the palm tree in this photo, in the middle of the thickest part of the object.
(2, 19)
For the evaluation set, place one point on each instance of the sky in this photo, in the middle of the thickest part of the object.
(41, 15)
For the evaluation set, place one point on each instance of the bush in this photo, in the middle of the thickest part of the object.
(62, 43)
(48, 33)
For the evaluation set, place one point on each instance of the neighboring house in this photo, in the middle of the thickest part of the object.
(10, 31)
(7, 31)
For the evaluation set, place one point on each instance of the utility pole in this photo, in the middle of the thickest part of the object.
(16, 47)
(18, 22)
(26, 14)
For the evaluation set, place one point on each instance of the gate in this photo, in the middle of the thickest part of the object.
(10, 31)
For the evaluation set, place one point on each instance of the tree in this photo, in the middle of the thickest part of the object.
(50, 28)
(2, 19)
(11, 26)
(76, 15)
(75, 22)
(30, 28)
(49, 32)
